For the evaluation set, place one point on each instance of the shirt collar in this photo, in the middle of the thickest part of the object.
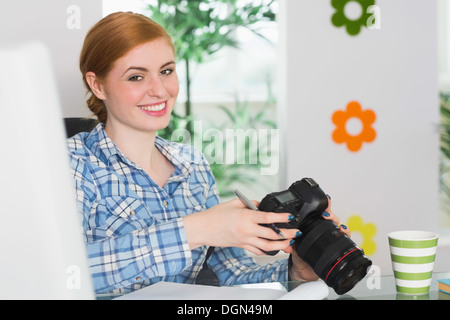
(101, 144)
(182, 156)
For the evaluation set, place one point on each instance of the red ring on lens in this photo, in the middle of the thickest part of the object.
(338, 263)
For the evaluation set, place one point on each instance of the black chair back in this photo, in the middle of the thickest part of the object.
(77, 125)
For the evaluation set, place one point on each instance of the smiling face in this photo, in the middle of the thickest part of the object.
(140, 90)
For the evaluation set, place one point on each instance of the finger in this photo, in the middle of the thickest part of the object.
(263, 217)
(292, 243)
(331, 216)
(329, 203)
(263, 247)
(269, 245)
(289, 249)
(345, 230)
(253, 250)
(270, 233)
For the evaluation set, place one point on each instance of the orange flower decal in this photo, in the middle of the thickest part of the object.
(354, 114)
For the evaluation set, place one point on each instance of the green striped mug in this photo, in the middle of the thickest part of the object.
(413, 254)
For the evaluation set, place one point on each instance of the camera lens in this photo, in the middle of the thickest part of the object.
(352, 269)
(334, 257)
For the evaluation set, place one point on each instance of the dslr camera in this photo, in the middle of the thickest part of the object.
(334, 257)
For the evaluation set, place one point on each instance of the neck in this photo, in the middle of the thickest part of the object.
(138, 146)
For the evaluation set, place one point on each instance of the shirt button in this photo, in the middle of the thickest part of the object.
(165, 203)
(138, 278)
(132, 213)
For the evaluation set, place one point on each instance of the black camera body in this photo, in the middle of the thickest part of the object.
(334, 257)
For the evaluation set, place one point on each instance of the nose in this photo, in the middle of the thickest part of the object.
(156, 88)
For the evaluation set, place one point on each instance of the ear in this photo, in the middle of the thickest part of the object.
(95, 85)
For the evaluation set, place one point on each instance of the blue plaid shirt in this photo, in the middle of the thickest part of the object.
(133, 228)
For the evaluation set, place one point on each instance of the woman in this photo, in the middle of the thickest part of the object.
(150, 207)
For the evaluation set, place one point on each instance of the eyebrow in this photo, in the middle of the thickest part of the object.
(145, 69)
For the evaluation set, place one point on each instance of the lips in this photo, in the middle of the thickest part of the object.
(155, 110)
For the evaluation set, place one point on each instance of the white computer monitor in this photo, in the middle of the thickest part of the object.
(42, 254)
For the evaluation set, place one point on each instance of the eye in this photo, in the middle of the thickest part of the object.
(135, 78)
(167, 71)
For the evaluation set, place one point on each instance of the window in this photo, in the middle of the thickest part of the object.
(444, 45)
(244, 71)
(444, 87)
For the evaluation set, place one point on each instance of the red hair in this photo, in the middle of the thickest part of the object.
(110, 39)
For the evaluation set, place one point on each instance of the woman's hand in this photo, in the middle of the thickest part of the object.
(231, 224)
(301, 271)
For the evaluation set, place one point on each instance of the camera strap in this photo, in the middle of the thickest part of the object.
(207, 276)
(290, 264)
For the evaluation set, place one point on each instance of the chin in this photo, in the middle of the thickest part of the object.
(155, 126)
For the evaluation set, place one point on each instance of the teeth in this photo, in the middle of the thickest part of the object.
(157, 107)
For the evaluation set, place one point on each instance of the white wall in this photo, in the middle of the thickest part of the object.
(392, 182)
(62, 26)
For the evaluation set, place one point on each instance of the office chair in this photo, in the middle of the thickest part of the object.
(76, 125)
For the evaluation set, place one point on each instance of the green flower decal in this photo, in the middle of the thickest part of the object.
(352, 25)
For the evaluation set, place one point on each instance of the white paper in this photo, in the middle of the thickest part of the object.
(316, 290)
(182, 291)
